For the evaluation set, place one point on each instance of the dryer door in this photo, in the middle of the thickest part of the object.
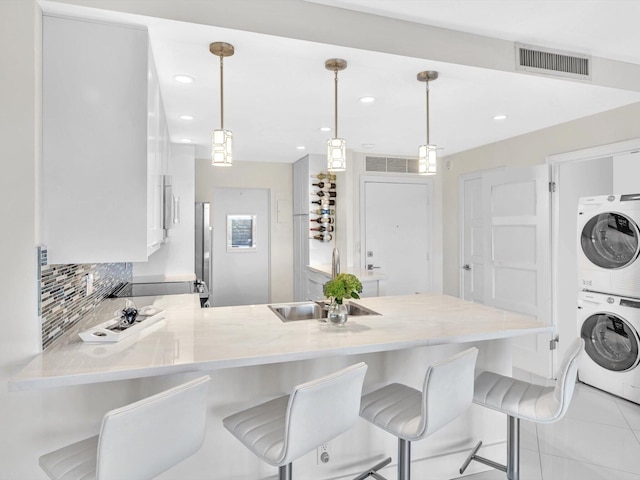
(611, 341)
(610, 240)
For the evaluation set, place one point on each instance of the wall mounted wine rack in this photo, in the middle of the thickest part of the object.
(323, 209)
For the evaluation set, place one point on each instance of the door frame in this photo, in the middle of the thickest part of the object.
(429, 181)
(554, 162)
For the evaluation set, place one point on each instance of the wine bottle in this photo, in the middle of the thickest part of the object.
(324, 211)
(328, 176)
(324, 185)
(327, 228)
(325, 238)
(323, 220)
(322, 193)
(324, 201)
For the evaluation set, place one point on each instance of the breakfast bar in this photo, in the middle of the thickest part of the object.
(251, 354)
(193, 339)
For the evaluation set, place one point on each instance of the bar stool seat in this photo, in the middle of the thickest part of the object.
(523, 400)
(281, 430)
(411, 415)
(140, 440)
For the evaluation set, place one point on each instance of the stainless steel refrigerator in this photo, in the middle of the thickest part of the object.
(203, 244)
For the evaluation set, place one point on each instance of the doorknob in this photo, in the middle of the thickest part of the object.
(466, 267)
(371, 267)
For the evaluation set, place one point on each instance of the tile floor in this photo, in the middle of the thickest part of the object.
(598, 439)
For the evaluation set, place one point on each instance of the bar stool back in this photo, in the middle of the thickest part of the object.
(524, 400)
(140, 440)
(283, 429)
(411, 415)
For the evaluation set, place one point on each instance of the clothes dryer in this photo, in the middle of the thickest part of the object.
(609, 325)
(609, 244)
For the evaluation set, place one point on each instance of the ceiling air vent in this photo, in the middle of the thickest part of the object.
(391, 164)
(552, 62)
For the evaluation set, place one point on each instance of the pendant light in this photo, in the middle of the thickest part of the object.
(427, 158)
(336, 147)
(221, 139)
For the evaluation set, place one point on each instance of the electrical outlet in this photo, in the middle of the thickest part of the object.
(323, 454)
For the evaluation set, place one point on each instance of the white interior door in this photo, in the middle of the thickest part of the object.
(472, 241)
(517, 245)
(240, 276)
(397, 233)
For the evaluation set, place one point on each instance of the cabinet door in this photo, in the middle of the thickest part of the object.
(155, 155)
(94, 141)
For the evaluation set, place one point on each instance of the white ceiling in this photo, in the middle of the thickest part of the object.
(278, 93)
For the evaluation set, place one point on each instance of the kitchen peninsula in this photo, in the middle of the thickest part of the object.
(251, 356)
(194, 339)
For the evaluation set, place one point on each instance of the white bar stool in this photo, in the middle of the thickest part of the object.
(524, 400)
(283, 429)
(140, 440)
(412, 415)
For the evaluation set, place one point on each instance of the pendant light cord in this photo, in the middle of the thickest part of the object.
(221, 93)
(335, 103)
(427, 95)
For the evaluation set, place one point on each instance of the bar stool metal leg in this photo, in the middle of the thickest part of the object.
(513, 448)
(373, 471)
(285, 472)
(404, 459)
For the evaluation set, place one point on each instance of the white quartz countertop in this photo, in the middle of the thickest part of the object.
(362, 274)
(192, 339)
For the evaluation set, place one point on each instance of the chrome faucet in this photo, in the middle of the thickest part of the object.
(335, 263)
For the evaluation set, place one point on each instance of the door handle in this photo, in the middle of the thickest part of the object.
(371, 267)
(466, 267)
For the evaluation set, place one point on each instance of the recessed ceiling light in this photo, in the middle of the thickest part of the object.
(186, 140)
(300, 147)
(325, 129)
(368, 145)
(499, 117)
(186, 117)
(367, 99)
(184, 79)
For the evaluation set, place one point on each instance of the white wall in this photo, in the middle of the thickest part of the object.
(175, 260)
(531, 149)
(278, 177)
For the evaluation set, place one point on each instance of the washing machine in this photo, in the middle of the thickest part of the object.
(609, 325)
(609, 244)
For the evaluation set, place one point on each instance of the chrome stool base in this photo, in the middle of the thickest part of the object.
(512, 469)
(373, 471)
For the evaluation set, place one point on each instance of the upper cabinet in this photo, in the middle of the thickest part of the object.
(158, 153)
(102, 142)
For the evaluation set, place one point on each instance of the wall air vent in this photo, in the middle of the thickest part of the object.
(552, 62)
(391, 165)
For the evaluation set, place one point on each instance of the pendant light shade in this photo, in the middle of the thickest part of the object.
(427, 154)
(336, 147)
(221, 139)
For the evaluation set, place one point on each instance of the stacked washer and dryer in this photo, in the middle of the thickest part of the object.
(609, 300)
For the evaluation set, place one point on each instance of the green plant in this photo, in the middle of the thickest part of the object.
(345, 285)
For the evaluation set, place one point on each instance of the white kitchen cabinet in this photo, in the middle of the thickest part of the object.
(373, 283)
(102, 142)
(626, 173)
(158, 154)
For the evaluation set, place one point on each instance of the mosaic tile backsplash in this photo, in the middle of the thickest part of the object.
(63, 298)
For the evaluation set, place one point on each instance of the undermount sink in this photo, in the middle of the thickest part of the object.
(290, 312)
